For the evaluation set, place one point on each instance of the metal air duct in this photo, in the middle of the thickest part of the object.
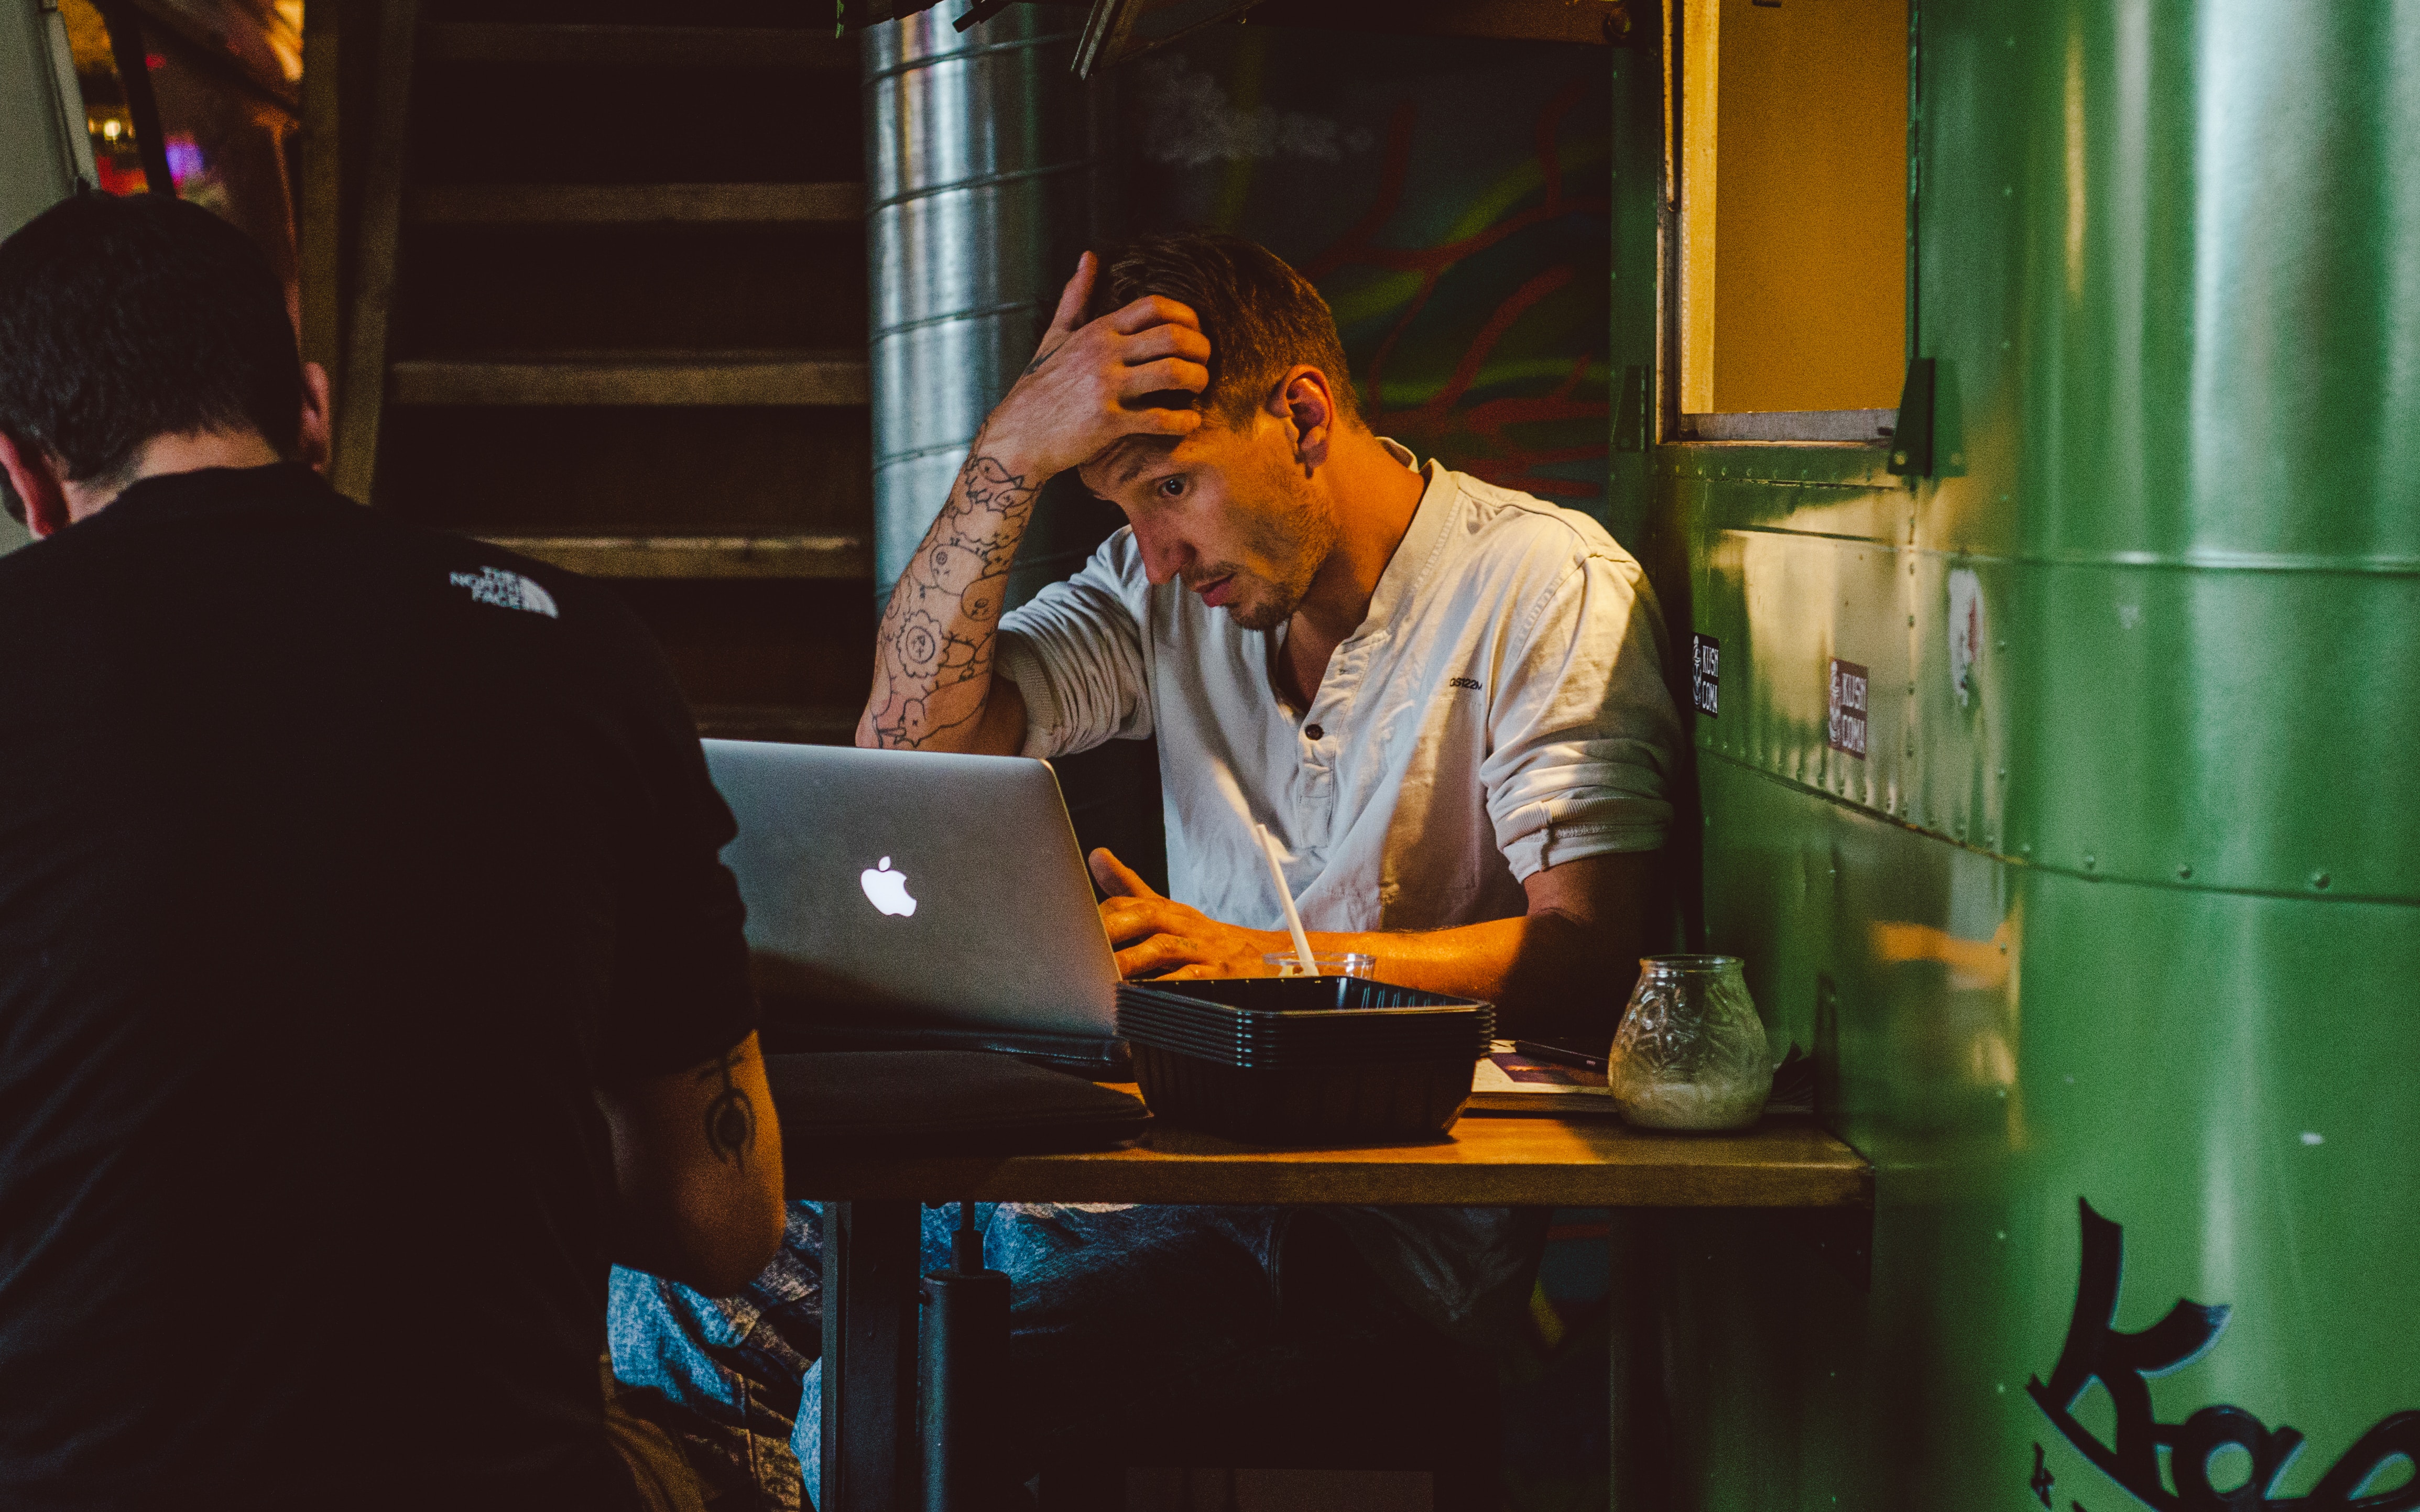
(977, 207)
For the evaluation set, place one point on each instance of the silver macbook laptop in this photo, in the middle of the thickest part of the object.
(940, 888)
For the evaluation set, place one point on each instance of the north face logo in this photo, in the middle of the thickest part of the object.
(505, 590)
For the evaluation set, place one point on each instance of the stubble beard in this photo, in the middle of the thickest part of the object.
(1266, 614)
(1300, 535)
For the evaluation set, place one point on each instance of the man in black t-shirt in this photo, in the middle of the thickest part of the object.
(369, 980)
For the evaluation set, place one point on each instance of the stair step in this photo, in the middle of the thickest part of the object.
(698, 556)
(636, 204)
(648, 47)
(633, 378)
(787, 723)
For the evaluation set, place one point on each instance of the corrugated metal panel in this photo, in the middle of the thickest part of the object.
(2119, 903)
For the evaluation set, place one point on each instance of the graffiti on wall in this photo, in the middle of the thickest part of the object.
(2123, 1364)
(1449, 198)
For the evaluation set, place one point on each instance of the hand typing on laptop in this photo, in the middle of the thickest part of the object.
(1171, 939)
(1161, 938)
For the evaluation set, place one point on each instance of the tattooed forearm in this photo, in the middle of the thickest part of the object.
(731, 1117)
(932, 659)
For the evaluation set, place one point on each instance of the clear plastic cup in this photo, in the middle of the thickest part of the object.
(1329, 964)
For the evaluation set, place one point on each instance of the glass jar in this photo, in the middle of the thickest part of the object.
(1691, 1053)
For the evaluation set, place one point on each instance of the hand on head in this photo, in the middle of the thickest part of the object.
(1157, 934)
(1088, 386)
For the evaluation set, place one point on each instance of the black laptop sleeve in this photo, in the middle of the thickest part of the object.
(943, 1102)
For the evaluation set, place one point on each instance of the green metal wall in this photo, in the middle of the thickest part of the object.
(2127, 910)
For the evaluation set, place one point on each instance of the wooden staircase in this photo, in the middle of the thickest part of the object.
(602, 300)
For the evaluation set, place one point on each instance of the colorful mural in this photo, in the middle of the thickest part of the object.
(1448, 196)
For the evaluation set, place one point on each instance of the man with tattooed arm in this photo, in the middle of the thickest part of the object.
(1443, 698)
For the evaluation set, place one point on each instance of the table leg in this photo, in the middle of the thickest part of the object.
(869, 1342)
(1643, 1477)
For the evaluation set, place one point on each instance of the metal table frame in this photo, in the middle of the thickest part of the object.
(872, 1231)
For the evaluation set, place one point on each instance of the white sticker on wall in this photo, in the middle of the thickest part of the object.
(1965, 631)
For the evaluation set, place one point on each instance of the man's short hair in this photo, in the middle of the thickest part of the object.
(1261, 315)
(122, 319)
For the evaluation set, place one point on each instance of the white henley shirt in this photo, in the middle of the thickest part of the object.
(1500, 710)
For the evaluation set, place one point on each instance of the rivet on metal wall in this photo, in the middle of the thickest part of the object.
(2184, 874)
(2319, 880)
(2091, 862)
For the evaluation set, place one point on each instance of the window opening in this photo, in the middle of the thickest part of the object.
(1792, 223)
(121, 123)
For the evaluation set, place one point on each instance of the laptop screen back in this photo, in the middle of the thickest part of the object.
(911, 886)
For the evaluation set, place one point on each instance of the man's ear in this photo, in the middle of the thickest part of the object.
(1304, 401)
(33, 474)
(312, 449)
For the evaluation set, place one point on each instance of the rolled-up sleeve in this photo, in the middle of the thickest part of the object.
(1075, 651)
(1582, 730)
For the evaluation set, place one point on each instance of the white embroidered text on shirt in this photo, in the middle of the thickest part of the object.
(505, 590)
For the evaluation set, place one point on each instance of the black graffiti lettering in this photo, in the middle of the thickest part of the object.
(2396, 1437)
(2095, 1350)
(2213, 1428)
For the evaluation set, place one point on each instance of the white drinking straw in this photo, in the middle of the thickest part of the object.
(1293, 918)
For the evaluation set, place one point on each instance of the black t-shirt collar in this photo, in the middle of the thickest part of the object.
(170, 495)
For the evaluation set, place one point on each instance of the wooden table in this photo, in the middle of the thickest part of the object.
(872, 1230)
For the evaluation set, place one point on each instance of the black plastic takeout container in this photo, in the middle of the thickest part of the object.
(1304, 1059)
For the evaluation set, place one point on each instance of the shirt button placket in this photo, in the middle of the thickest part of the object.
(1318, 811)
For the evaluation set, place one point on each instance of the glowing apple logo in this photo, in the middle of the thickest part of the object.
(887, 889)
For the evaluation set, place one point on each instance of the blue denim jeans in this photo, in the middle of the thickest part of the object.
(1117, 1311)
(729, 1367)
